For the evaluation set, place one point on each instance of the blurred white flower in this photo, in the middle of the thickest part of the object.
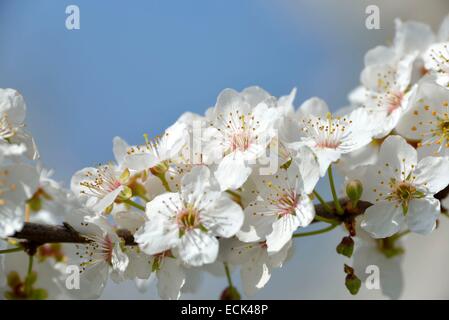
(14, 139)
(256, 264)
(18, 182)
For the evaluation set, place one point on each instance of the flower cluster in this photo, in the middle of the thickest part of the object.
(232, 188)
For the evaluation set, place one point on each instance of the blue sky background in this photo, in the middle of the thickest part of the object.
(135, 66)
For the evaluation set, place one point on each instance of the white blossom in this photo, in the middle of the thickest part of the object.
(281, 207)
(190, 220)
(255, 261)
(401, 189)
(241, 126)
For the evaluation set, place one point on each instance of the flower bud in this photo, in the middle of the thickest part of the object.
(352, 282)
(230, 293)
(354, 190)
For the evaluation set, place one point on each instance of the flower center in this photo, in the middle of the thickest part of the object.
(328, 143)
(403, 192)
(240, 141)
(394, 101)
(188, 219)
(287, 203)
(105, 182)
(6, 129)
(438, 134)
(99, 249)
(327, 133)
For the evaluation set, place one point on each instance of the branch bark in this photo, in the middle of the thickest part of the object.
(35, 234)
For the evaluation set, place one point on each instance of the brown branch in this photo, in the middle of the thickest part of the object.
(43, 233)
(36, 234)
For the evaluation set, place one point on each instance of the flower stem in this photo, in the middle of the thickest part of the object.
(144, 198)
(323, 203)
(228, 275)
(28, 281)
(334, 192)
(164, 182)
(30, 265)
(134, 204)
(27, 213)
(326, 220)
(399, 235)
(11, 250)
(312, 233)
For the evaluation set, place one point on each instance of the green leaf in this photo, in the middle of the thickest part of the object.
(353, 284)
(346, 247)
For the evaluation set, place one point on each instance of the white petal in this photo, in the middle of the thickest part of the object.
(308, 168)
(171, 279)
(422, 214)
(256, 273)
(92, 281)
(258, 222)
(161, 231)
(224, 218)
(325, 157)
(443, 32)
(396, 153)
(276, 259)
(107, 200)
(120, 149)
(198, 247)
(411, 36)
(139, 161)
(432, 173)
(380, 55)
(283, 229)
(232, 171)
(129, 220)
(255, 95)
(12, 102)
(313, 106)
(383, 219)
(11, 220)
(195, 183)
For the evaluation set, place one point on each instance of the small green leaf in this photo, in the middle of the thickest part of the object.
(346, 247)
(353, 284)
